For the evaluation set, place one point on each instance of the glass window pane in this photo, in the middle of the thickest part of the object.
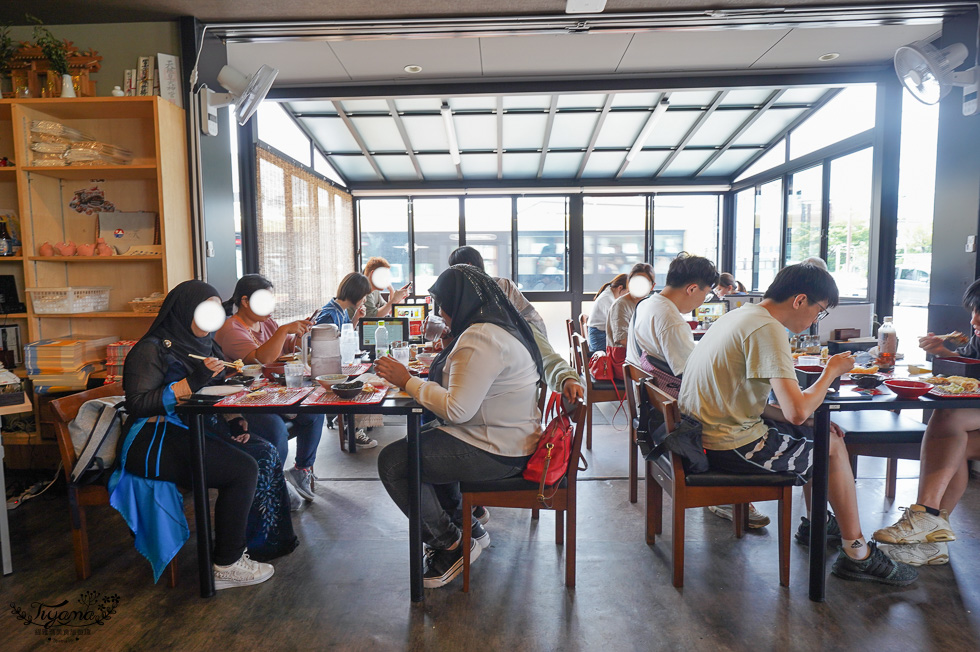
(323, 166)
(803, 215)
(542, 238)
(380, 133)
(581, 101)
(745, 240)
(614, 230)
(570, 130)
(488, 230)
(684, 223)
(277, 129)
(719, 127)
(436, 235)
(384, 232)
(620, 129)
(768, 217)
(850, 112)
(775, 156)
(769, 125)
(850, 222)
(331, 133)
(396, 167)
(426, 132)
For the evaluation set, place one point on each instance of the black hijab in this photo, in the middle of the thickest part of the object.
(469, 296)
(173, 323)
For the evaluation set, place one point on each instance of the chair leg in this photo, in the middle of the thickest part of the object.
(677, 545)
(784, 521)
(559, 527)
(570, 543)
(171, 572)
(79, 536)
(854, 465)
(633, 463)
(740, 514)
(341, 431)
(535, 513)
(655, 507)
(588, 426)
(467, 529)
(891, 477)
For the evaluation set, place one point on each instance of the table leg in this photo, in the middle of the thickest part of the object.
(351, 433)
(4, 525)
(415, 504)
(202, 507)
(818, 504)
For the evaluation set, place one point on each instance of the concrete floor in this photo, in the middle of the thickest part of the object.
(346, 586)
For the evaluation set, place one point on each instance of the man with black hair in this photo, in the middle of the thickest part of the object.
(726, 386)
(952, 437)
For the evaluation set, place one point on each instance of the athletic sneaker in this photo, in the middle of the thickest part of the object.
(363, 441)
(756, 518)
(480, 535)
(481, 514)
(302, 479)
(833, 531)
(295, 502)
(876, 568)
(917, 526)
(243, 572)
(443, 566)
(919, 554)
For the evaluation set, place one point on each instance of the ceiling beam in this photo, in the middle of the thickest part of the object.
(511, 186)
(547, 134)
(405, 139)
(595, 134)
(741, 130)
(355, 134)
(690, 133)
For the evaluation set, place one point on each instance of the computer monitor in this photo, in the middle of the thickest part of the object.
(397, 331)
(415, 313)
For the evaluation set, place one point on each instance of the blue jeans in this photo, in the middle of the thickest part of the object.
(306, 427)
(597, 339)
(446, 461)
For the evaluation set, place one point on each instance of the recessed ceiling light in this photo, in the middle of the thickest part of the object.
(413, 69)
(830, 56)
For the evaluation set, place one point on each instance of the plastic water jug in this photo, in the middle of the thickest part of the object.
(323, 344)
(348, 345)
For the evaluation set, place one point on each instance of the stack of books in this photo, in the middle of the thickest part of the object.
(116, 359)
(63, 365)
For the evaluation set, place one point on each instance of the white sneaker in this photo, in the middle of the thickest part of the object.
(295, 502)
(919, 554)
(917, 526)
(363, 441)
(756, 518)
(243, 572)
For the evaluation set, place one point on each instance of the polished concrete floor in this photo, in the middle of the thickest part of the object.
(346, 586)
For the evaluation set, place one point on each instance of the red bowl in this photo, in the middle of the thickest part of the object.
(908, 388)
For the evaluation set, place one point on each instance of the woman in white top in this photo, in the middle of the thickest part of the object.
(604, 299)
(483, 390)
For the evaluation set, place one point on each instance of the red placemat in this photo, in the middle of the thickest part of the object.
(267, 397)
(322, 396)
(355, 369)
(939, 394)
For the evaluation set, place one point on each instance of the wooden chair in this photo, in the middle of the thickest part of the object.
(877, 433)
(634, 385)
(570, 328)
(596, 391)
(583, 325)
(523, 494)
(666, 473)
(82, 496)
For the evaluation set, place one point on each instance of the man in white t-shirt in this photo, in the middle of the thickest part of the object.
(726, 386)
(659, 329)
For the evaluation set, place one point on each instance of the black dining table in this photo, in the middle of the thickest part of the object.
(194, 416)
(847, 400)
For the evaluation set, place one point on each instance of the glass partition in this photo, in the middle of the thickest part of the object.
(688, 223)
(384, 232)
(488, 230)
(436, 235)
(542, 244)
(848, 242)
(768, 217)
(803, 214)
(614, 237)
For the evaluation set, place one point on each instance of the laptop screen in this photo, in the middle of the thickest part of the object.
(397, 330)
(415, 313)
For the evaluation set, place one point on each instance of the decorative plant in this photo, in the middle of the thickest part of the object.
(7, 49)
(55, 51)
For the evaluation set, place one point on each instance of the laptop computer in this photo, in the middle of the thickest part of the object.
(397, 330)
(415, 313)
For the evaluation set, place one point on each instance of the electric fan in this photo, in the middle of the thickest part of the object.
(928, 73)
(246, 93)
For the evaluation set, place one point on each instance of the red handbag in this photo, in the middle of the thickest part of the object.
(550, 459)
(604, 365)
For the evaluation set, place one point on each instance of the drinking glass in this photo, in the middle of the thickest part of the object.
(400, 352)
(294, 374)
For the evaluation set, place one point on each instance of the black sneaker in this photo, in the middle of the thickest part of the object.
(876, 568)
(481, 514)
(833, 531)
(480, 534)
(442, 566)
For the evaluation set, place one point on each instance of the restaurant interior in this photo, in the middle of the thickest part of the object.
(566, 142)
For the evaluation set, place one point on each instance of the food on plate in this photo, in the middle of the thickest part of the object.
(955, 337)
(865, 370)
(954, 384)
(239, 366)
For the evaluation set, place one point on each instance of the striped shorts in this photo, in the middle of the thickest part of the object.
(774, 452)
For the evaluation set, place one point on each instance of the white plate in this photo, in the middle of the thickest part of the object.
(221, 390)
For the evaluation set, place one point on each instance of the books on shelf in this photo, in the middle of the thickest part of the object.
(56, 356)
(116, 359)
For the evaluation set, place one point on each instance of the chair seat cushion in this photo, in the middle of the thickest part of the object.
(878, 426)
(605, 384)
(722, 479)
(517, 483)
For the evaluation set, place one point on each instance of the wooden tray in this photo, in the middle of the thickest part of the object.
(933, 393)
(321, 396)
(267, 397)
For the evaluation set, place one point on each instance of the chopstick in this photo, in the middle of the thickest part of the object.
(201, 357)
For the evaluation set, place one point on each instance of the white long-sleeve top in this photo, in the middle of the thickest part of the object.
(488, 395)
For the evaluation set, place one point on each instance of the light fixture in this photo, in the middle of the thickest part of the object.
(652, 121)
(928, 73)
(447, 119)
(246, 93)
(830, 56)
(412, 69)
(584, 6)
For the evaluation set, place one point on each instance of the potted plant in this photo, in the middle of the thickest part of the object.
(56, 52)
(7, 51)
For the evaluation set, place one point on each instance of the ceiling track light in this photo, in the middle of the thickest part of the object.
(652, 121)
(447, 119)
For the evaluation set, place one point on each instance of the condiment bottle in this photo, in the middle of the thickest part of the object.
(887, 345)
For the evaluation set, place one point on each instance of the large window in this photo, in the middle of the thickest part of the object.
(803, 215)
(542, 251)
(488, 230)
(848, 241)
(614, 237)
(850, 112)
(768, 217)
(436, 235)
(280, 131)
(684, 223)
(745, 240)
(384, 232)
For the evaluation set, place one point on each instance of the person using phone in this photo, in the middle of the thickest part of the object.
(378, 272)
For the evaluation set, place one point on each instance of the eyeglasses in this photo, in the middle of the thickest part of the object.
(823, 311)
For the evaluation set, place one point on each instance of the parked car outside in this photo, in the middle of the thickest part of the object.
(911, 286)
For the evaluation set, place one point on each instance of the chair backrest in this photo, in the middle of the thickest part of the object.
(583, 323)
(634, 377)
(663, 403)
(65, 410)
(578, 419)
(581, 353)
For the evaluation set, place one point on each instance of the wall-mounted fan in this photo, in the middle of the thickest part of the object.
(929, 73)
(246, 93)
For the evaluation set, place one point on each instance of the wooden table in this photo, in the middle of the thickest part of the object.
(194, 415)
(4, 526)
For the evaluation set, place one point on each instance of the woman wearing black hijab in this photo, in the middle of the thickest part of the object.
(483, 389)
(155, 452)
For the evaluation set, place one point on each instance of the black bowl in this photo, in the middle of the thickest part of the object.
(348, 390)
(867, 381)
(239, 379)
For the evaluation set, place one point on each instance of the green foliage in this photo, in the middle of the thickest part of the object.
(7, 49)
(55, 51)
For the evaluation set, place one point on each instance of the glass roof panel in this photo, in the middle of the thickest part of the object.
(360, 106)
(426, 132)
(572, 130)
(803, 95)
(768, 126)
(473, 103)
(331, 134)
(726, 164)
(686, 163)
(850, 112)
(561, 165)
(479, 166)
(671, 127)
(475, 131)
(312, 106)
(747, 97)
(603, 165)
(437, 167)
(418, 104)
(636, 99)
(396, 167)
(775, 156)
(645, 164)
(719, 127)
(322, 165)
(527, 102)
(521, 165)
(354, 168)
(524, 130)
(581, 101)
(621, 128)
(379, 133)
(692, 98)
